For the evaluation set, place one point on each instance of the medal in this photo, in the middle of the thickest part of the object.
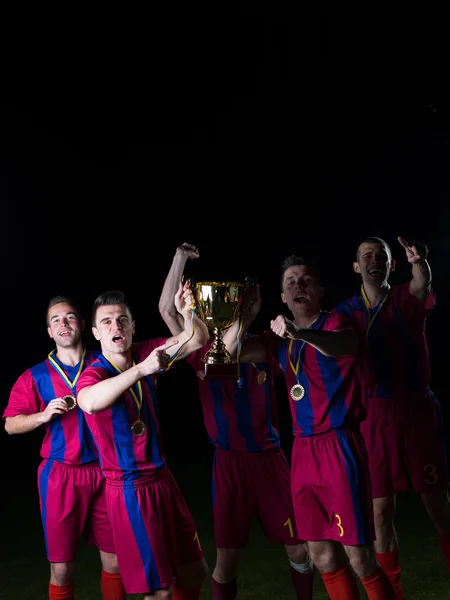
(261, 377)
(70, 401)
(297, 392)
(138, 428)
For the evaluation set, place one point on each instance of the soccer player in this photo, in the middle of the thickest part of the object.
(155, 534)
(71, 486)
(403, 429)
(241, 421)
(330, 483)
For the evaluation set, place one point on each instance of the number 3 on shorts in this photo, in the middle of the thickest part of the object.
(339, 525)
(431, 476)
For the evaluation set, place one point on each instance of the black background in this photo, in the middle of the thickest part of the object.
(252, 135)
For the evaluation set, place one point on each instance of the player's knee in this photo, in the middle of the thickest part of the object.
(297, 554)
(62, 573)
(363, 560)
(383, 512)
(109, 562)
(166, 594)
(192, 575)
(226, 564)
(324, 556)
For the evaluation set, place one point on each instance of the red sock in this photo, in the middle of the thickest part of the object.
(389, 563)
(224, 591)
(112, 586)
(60, 592)
(340, 584)
(444, 541)
(378, 586)
(182, 594)
(303, 584)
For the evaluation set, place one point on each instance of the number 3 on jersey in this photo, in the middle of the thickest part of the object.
(339, 525)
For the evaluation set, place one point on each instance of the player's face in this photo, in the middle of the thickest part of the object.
(114, 328)
(375, 263)
(302, 291)
(65, 326)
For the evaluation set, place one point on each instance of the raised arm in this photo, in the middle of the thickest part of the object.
(252, 350)
(167, 308)
(340, 342)
(420, 285)
(194, 334)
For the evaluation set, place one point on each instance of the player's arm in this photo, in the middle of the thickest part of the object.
(252, 350)
(24, 411)
(167, 309)
(194, 334)
(105, 393)
(25, 423)
(339, 342)
(420, 285)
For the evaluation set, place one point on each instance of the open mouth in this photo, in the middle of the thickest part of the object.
(65, 333)
(117, 339)
(300, 298)
(376, 273)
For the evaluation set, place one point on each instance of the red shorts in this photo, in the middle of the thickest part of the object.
(405, 443)
(154, 533)
(246, 485)
(72, 500)
(331, 488)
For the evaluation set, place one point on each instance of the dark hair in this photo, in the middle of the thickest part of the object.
(61, 300)
(373, 240)
(293, 260)
(109, 299)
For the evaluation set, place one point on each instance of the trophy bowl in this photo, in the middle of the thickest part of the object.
(218, 305)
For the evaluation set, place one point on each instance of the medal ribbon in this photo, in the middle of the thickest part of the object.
(376, 310)
(71, 384)
(296, 367)
(136, 397)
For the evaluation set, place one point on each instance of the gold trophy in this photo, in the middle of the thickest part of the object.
(218, 305)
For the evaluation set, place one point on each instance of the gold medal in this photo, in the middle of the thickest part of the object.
(261, 377)
(138, 428)
(70, 401)
(297, 392)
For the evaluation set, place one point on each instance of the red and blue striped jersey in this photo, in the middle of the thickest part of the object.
(67, 437)
(397, 361)
(240, 417)
(125, 457)
(333, 385)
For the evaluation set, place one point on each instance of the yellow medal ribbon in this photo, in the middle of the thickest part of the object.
(296, 367)
(137, 400)
(371, 319)
(73, 383)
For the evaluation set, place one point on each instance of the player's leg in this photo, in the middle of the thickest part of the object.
(232, 479)
(182, 542)
(338, 579)
(141, 542)
(384, 438)
(272, 481)
(99, 533)
(63, 515)
(364, 563)
(427, 463)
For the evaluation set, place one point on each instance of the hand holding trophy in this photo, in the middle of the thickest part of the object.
(218, 304)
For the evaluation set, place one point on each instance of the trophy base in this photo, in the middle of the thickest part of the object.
(219, 371)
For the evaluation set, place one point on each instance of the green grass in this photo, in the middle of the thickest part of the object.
(263, 572)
